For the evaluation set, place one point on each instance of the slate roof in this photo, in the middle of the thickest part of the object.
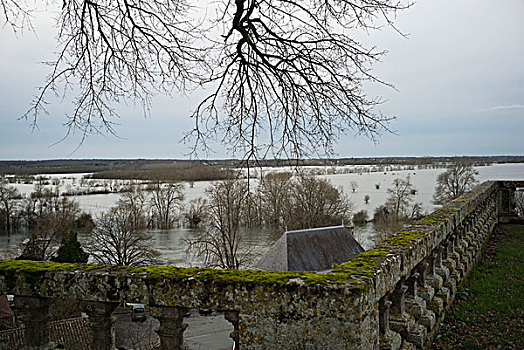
(72, 333)
(5, 310)
(311, 250)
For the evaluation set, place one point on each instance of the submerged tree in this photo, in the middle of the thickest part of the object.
(222, 244)
(399, 208)
(275, 194)
(315, 202)
(116, 240)
(360, 218)
(195, 212)
(9, 203)
(401, 195)
(55, 219)
(165, 199)
(284, 76)
(454, 182)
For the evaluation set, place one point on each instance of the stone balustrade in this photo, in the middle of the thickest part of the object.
(390, 297)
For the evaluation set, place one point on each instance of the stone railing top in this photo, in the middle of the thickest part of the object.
(371, 273)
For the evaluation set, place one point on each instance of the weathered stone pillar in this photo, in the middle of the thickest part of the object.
(505, 201)
(389, 340)
(36, 318)
(441, 293)
(101, 334)
(466, 251)
(172, 326)
(448, 260)
(399, 320)
(425, 291)
(232, 317)
(416, 306)
(474, 238)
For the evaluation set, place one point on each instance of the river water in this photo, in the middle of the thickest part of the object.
(171, 243)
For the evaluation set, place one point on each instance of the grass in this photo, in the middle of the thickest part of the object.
(489, 309)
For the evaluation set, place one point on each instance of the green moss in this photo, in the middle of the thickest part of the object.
(403, 239)
(437, 217)
(36, 269)
(44, 266)
(364, 264)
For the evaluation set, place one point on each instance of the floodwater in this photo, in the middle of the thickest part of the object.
(171, 243)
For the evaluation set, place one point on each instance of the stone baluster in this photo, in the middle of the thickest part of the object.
(483, 219)
(233, 318)
(389, 340)
(447, 261)
(474, 239)
(416, 306)
(467, 246)
(425, 291)
(101, 333)
(455, 253)
(436, 282)
(491, 219)
(399, 320)
(36, 317)
(172, 326)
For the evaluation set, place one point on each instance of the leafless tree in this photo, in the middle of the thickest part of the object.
(165, 200)
(134, 199)
(55, 220)
(455, 181)
(401, 195)
(354, 186)
(117, 241)
(9, 202)
(315, 202)
(275, 193)
(222, 244)
(285, 76)
(195, 212)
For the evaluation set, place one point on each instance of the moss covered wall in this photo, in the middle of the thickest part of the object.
(278, 309)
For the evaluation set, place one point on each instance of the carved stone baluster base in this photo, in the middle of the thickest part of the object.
(36, 318)
(101, 333)
(389, 340)
(172, 326)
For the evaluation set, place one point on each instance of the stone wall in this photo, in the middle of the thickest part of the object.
(389, 297)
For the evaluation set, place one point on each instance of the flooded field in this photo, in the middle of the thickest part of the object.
(171, 243)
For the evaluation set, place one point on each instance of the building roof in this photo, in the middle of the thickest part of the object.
(5, 310)
(311, 250)
(73, 333)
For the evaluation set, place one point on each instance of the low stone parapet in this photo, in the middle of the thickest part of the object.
(389, 297)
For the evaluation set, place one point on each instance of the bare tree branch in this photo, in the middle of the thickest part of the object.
(289, 76)
(285, 76)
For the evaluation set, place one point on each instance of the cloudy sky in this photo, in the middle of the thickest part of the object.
(459, 80)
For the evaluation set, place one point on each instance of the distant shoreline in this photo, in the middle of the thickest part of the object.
(187, 167)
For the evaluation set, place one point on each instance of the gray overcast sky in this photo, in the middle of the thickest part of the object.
(459, 79)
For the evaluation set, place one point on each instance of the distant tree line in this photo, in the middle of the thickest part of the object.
(152, 166)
